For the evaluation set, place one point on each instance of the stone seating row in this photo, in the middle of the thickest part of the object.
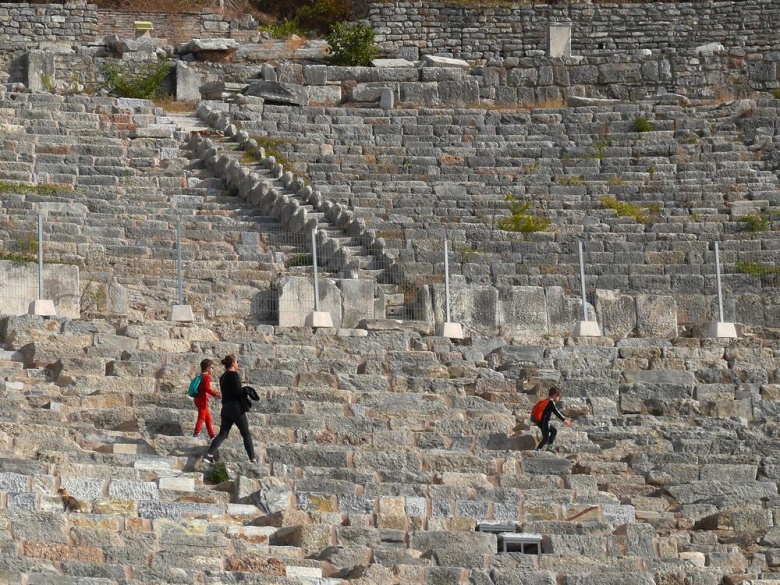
(561, 545)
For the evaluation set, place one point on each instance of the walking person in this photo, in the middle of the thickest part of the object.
(205, 391)
(233, 410)
(543, 419)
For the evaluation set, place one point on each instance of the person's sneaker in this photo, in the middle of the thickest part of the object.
(552, 448)
(208, 458)
(253, 460)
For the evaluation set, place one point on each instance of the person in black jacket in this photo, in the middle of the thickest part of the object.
(233, 410)
(549, 432)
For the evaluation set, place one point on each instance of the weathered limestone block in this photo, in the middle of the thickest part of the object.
(276, 92)
(311, 539)
(721, 493)
(40, 70)
(455, 549)
(632, 540)
(218, 50)
(594, 363)
(473, 306)
(463, 92)
(439, 61)
(20, 287)
(357, 301)
(188, 83)
(522, 311)
(563, 313)
(656, 316)
(616, 313)
(574, 544)
(296, 300)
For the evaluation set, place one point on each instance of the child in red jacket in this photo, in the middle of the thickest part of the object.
(202, 399)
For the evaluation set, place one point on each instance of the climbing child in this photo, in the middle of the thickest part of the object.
(202, 399)
(541, 414)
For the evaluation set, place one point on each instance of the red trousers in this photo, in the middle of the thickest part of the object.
(204, 415)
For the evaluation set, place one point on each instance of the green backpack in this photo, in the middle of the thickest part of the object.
(192, 392)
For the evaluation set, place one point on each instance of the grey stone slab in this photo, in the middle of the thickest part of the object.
(14, 482)
(176, 510)
(392, 63)
(38, 526)
(440, 61)
(721, 492)
(275, 92)
(133, 490)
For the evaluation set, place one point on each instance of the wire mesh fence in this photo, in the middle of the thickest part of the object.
(20, 286)
(250, 266)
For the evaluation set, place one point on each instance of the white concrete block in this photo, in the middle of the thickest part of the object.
(125, 448)
(295, 571)
(587, 329)
(176, 484)
(182, 314)
(318, 319)
(719, 329)
(42, 308)
(450, 330)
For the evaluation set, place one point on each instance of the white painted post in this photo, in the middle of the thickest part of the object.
(40, 306)
(585, 328)
(180, 313)
(720, 328)
(317, 318)
(448, 329)
(314, 264)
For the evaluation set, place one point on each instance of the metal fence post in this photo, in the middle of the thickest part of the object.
(314, 264)
(448, 329)
(585, 328)
(447, 279)
(40, 306)
(178, 262)
(717, 276)
(720, 328)
(180, 312)
(40, 256)
(582, 283)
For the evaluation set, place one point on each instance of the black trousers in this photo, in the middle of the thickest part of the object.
(233, 414)
(549, 432)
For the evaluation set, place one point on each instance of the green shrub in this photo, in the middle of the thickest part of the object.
(769, 275)
(520, 220)
(625, 209)
(217, 473)
(756, 223)
(322, 15)
(284, 29)
(299, 260)
(352, 44)
(776, 94)
(145, 83)
(642, 124)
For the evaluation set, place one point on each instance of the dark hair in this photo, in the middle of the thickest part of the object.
(228, 360)
(554, 391)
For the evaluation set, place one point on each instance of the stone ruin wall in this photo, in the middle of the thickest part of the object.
(624, 51)
(177, 28)
(28, 25)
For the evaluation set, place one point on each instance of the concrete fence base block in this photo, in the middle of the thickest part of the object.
(450, 330)
(318, 319)
(587, 329)
(182, 314)
(719, 329)
(42, 308)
